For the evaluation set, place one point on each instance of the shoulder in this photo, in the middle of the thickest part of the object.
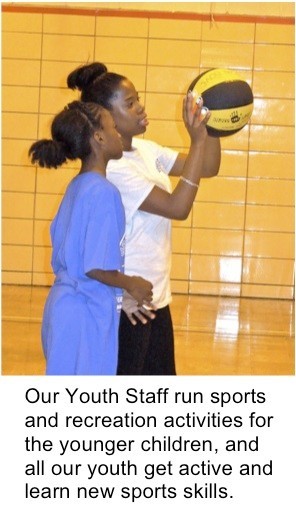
(106, 189)
(165, 154)
(146, 144)
(94, 186)
(162, 156)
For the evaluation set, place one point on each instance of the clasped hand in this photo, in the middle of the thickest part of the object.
(136, 312)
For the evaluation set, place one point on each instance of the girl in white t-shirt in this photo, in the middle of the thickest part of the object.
(146, 342)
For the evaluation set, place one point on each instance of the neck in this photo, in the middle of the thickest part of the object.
(97, 165)
(127, 143)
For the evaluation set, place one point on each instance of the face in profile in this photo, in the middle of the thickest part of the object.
(128, 112)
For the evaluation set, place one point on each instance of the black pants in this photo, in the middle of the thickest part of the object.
(147, 349)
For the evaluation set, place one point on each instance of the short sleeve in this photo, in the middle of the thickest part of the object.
(103, 235)
(167, 158)
(164, 157)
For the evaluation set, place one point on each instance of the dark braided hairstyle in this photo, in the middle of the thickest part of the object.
(71, 131)
(96, 83)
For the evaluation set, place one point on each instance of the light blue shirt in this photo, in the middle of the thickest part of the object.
(81, 316)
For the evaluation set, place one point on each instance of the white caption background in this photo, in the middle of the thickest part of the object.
(165, 478)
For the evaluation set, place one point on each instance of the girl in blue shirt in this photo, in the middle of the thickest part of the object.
(81, 315)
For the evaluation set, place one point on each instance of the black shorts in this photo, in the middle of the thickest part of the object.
(147, 349)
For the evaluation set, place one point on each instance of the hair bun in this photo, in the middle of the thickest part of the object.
(84, 76)
(47, 153)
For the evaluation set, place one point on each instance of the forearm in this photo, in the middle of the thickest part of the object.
(185, 192)
(212, 157)
(111, 278)
(194, 162)
(211, 161)
(191, 167)
(139, 288)
(177, 205)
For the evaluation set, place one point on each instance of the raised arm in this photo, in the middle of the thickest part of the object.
(177, 205)
(211, 162)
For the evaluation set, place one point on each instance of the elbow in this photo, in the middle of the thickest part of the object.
(211, 172)
(212, 161)
(216, 167)
(182, 214)
(214, 171)
(182, 218)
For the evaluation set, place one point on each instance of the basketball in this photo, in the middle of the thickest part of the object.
(228, 97)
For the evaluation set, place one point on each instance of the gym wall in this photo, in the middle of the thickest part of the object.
(239, 238)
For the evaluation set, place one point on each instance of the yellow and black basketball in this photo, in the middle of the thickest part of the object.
(228, 97)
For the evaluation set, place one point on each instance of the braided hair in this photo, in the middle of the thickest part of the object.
(71, 131)
(96, 83)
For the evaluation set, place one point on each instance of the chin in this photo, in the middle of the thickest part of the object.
(116, 156)
(141, 130)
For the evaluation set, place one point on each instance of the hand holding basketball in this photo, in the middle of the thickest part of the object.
(195, 121)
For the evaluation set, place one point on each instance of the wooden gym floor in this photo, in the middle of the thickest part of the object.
(213, 335)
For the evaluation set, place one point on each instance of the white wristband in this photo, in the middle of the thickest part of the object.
(193, 184)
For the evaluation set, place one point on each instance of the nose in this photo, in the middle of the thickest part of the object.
(140, 108)
(119, 135)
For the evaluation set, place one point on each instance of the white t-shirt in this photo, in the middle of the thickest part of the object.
(148, 236)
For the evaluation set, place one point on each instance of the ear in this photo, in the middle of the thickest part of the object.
(98, 136)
